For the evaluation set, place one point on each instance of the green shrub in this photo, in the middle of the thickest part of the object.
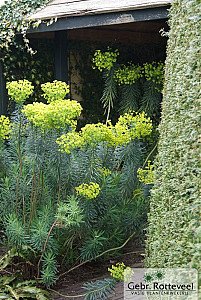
(174, 220)
(68, 196)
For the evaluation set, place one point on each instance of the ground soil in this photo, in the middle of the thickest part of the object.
(72, 284)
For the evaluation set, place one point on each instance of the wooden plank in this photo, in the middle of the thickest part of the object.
(136, 27)
(61, 8)
(61, 56)
(157, 13)
(3, 93)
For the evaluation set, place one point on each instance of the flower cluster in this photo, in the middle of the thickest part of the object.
(130, 126)
(128, 74)
(119, 270)
(127, 128)
(147, 175)
(105, 171)
(104, 60)
(56, 90)
(57, 114)
(88, 191)
(90, 135)
(19, 90)
(69, 141)
(93, 134)
(155, 72)
(5, 127)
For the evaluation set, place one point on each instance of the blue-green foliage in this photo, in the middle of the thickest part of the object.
(99, 289)
(46, 181)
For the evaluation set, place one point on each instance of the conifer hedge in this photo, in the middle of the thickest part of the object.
(174, 233)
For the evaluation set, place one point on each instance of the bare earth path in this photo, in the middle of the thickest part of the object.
(72, 285)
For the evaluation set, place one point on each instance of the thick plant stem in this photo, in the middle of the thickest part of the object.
(101, 254)
(59, 191)
(59, 176)
(18, 178)
(37, 185)
(108, 113)
(24, 215)
(41, 190)
(149, 155)
(45, 245)
(65, 296)
(20, 159)
(31, 204)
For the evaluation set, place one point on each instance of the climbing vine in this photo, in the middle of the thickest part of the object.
(18, 64)
(13, 21)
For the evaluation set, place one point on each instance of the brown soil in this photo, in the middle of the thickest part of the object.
(72, 284)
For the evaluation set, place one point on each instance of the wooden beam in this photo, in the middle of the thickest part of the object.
(116, 36)
(3, 93)
(61, 56)
(147, 29)
(156, 13)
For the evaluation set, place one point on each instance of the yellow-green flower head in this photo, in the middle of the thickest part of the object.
(128, 273)
(121, 135)
(105, 171)
(56, 90)
(104, 60)
(138, 125)
(90, 136)
(128, 74)
(57, 114)
(127, 128)
(147, 175)
(121, 272)
(93, 134)
(88, 191)
(155, 72)
(69, 141)
(19, 90)
(5, 127)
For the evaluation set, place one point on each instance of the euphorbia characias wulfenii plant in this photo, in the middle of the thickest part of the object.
(75, 189)
(19, 90)
(56, 90)
(137, 87)
(58, 113)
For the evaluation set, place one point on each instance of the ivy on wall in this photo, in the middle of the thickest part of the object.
(20, 64)
(174, 220)
(16, 51)
(12, 15)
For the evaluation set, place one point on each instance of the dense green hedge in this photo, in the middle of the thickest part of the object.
(174, 221)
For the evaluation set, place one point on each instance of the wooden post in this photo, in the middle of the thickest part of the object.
(3, 93)
(61, 56)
